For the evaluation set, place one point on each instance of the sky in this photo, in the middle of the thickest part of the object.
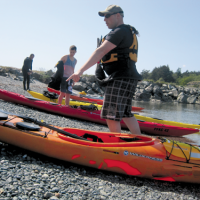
(169, 31)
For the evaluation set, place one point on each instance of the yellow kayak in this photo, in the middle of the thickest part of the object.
(161, 121)
(71, 103)
(137, 116)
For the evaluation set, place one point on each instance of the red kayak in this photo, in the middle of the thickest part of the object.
(93, 116)
(88, 99)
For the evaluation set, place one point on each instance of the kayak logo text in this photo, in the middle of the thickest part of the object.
(126, 153)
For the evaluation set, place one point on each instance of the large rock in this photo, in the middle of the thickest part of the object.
(156, 97)
(145, 96)
(191, 99)
(182, 98)
(80, 86)
(95, 86)
(174, 93)
(187, 90)
(143, 84)
(167, 98)
(90, 91)
(149, 88)
(180, 89)
(164, 87)
(157, 91)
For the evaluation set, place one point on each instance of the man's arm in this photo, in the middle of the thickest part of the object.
(64, 58)
(94, 58)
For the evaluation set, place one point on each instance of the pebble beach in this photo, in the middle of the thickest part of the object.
(26, 175)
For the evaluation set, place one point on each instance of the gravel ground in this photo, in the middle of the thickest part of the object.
(27, 175)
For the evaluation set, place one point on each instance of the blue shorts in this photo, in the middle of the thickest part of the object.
(66, 86)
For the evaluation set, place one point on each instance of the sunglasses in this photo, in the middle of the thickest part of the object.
(108, 15)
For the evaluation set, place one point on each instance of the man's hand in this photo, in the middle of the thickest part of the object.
(75, 77)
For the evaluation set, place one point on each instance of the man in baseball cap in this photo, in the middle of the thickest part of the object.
(112, 9)
(118, 55)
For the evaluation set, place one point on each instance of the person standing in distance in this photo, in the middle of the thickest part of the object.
(27, 71)
(69, 66)
(118, 55)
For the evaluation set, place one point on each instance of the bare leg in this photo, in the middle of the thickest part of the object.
(114, 126)
(132, 125)
(60, 98)
(67, 99)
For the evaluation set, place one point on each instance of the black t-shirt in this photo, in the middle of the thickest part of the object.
(121, 37)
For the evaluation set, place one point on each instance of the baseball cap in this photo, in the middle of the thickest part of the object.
(111, 9)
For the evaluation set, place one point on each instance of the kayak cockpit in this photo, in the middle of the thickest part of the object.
(106, 138)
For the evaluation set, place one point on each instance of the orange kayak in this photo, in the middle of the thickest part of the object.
(134, 155)
(88, 99)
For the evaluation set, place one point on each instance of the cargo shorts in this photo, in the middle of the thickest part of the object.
(118, 99)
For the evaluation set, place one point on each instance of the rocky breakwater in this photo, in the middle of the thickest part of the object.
(146, 91)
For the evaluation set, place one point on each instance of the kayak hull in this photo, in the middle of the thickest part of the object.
(93, 116)
(145, 157)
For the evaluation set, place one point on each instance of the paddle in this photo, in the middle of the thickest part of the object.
(45, 125)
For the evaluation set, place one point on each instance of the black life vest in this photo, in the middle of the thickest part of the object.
(124, 53)
(119, 63)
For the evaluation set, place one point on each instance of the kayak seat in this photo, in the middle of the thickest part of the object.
(130, 139)
(93, 138)
(3, 116)
(90, 107)
(50, 95)
(27, 126)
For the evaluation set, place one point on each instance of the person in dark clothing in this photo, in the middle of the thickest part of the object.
(118, 55)
(27, 71)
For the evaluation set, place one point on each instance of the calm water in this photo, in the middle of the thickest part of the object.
(186, 113)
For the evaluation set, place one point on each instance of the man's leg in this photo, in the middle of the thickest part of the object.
(24, 81)
(67, 99)
(28, 82)
(60, 98)
(68, 91)
(132, 125)
(114, 126)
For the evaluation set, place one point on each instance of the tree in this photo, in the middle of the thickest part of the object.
(145, 74)
(162, 72)
(178, 73)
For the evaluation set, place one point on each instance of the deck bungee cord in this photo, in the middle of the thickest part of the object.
(168, 154)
